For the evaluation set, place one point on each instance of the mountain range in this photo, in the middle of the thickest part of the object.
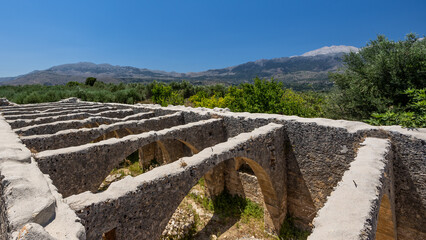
(310, 68)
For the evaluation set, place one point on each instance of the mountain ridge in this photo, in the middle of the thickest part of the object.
(309, 68)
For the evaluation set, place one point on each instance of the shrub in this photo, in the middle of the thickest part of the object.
(90, 81)
(72, 84)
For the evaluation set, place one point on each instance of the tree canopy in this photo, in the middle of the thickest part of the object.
(90, 81)
(377, 78)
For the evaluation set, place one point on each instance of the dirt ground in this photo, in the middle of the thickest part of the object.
(212, 226)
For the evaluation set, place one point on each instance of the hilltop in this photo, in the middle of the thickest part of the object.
(309, 68)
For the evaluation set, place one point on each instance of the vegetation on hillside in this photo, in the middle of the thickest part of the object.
(262, 96)
(383, 84)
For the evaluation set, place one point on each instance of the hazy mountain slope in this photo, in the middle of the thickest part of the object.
(42, 77)
(106, 70)
(3, 79)
(311, 67)
(62, 74)
(284, 69)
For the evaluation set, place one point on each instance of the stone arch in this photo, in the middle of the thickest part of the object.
(274, 197)
(264, 180)
(152, 191)
(87, 166)
(162, 145)
(117, 133)
(157, 152)
(190, 146)
(161, 152)
(245, 172)
(165, 151)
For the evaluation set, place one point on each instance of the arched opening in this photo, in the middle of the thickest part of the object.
(92, 125)
(231, 213)
(147, 158)
(248, 183)
(257, 186)
(119, 133)
(385, 224)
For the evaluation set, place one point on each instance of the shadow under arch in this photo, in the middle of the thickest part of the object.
(117, 133)
(116, 153)
(168, 151)
(152, 155)
(122, 132)
(190, 146)
(266, 165)
(268, 195)
(159, 192)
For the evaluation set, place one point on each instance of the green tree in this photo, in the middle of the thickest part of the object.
(72, 84)
(164, 95)
(90, 81)
(376, 78)
(414, 115)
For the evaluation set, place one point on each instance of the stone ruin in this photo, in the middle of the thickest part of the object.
(338, 179)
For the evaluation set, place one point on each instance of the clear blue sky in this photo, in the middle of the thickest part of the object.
(187, 36)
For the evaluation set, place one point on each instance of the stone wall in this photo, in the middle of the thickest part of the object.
(19, 123)
(102, 212)
(300, 165)
(53, 127)
(75, 137)
(77, 169)
(358, 195)
(409, 169)
(29, 203)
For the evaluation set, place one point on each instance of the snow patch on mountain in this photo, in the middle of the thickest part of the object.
(331, 50)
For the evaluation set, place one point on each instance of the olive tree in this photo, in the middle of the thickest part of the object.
(376, 79)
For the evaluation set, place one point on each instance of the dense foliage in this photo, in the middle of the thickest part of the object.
(90, 81)
(377, 79)
(262, 96)
(413, 115)
(99, 92)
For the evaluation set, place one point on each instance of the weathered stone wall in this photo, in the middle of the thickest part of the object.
(409, 167)
(53, 127)
(75, 137)
(91, 109)
(317, 157)
(158, 192)
(112, 114)
(358, 195)
(315, 154)
(77, 169)
(28, 197)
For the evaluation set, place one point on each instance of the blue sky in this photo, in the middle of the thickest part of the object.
(187, 36)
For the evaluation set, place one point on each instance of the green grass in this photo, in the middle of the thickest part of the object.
(131, 163)
(202, 183)
(290, 232)
(227, 205)
(135, 169)
(205, 202)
